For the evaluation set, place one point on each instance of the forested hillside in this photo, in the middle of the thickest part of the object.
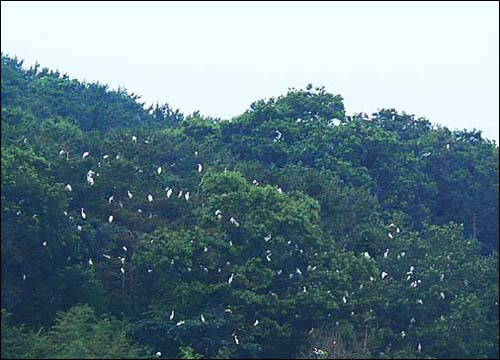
(290, 231)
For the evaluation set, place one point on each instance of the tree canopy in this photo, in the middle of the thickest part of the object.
(292, 230)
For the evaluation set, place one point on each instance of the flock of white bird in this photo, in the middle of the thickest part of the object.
(393, 229)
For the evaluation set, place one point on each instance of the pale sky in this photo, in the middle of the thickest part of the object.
(438, 60)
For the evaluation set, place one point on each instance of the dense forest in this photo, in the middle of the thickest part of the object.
(290, 231)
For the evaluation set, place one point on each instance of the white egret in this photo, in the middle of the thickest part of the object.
(441, 277)
(403, 334)
(105, 156)
(110, 199)
(234, 221)
(344, 299)
(298, 271)
(85, 154)
(256, 323)
(442, 295)
(230, 280)
(150, 270)
(386, 253)
(134, 138)
(79, 228)
(159, 170)
(158, 353)
(129, 194)
(84, 216)
(172, 314)
(106, 256)
(61, 152)
(44, 243)
(179, 195)
(427, 154)
(419, 301)
(91, 262)
(90, 180)
(122, 270)
(124, 248)
(419, 347)
(390, 236)
(182, 322)
(202, 318)
(169, 192)
(367, 255)
(383, 275)
(110, 219)
(24, 276)
(186, 196)
(150, 198)
(236, 340)
(68, 187)
(200, 168)
(255, 182)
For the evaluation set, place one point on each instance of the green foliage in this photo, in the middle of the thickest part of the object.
(304, 229)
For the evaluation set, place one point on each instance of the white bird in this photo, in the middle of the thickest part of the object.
(367, 255)
(44, 243)
(200, 168)
(426, 154)
(403, 334)
(179, 195)
(117, 157)
(419, 301)
(447, 146)
(419, 347)
(383, 275)
(91, 262)
(150, 270)
(84, 216)
(412, 268)
(298, 271)
(159, 170)
(79, 228)
(122, 270)
(172, 314)
(386, 253)
(255, 182)
(61, 152)
(228, 311)
(150, 198)
(110, 219)
(85, 154)
(169, 192)
(129, 194)
(105, 156)
(202, 318)
(234, 222)
(267, 237)
(90, 180)
(442, 295)
(344, 299)
(268, 256)
(230, 280)
(110, 199)
(182, 322)
(24, 276)
(134, 138)
(280, 190)
(158, 353)
(236, 340)
(106, 256)
(390, 236)
(441, 277)
(256, 323)
(186, 196)
(412, 320)
(124, 248)
(68, 187)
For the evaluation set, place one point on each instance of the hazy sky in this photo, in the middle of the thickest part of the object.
(438, 60)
